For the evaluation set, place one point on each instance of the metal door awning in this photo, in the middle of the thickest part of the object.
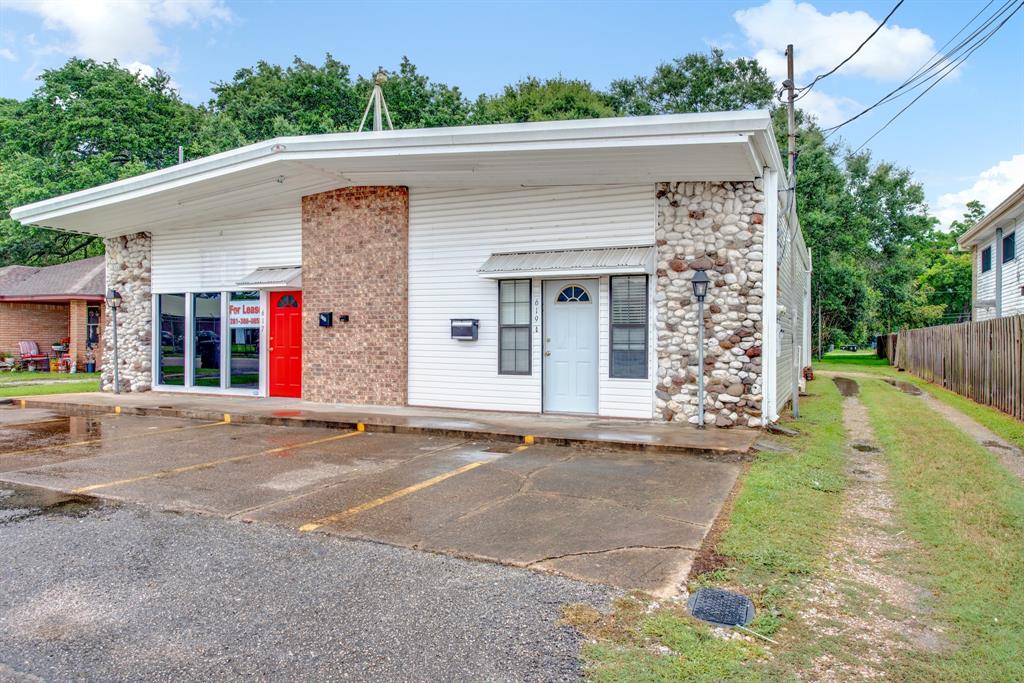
(570, 262)
(270, 277)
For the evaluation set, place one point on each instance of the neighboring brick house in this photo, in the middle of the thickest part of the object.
(536, 267)
(52, 304)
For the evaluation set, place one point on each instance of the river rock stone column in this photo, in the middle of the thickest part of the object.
(717, 227)
(128, 272)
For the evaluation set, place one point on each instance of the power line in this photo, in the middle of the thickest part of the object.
(948, 71)
(804, 90)
(933, 68)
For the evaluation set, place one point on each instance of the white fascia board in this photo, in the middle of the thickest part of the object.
(596, 133)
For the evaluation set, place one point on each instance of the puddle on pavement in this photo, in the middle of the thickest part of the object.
(21, 502)
(905, 387)
(846, 386)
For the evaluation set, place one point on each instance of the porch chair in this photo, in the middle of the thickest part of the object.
(28, 354)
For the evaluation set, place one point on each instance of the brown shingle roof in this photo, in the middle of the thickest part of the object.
(78, 278)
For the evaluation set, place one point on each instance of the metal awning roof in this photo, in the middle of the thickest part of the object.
(570, 262)
(273, 276)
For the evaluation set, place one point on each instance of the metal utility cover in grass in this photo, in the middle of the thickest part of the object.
(722, 608)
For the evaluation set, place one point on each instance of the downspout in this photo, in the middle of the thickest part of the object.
(769, 311)
(999, 272)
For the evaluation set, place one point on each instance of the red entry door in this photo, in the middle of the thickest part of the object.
(286, 344)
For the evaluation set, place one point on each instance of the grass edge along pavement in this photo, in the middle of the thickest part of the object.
(994, 419)
(966, 512)
(777, 534)
(44, 389)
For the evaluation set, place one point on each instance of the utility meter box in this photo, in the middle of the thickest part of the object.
(465, 329)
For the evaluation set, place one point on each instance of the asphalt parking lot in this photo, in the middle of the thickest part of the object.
(631, 520)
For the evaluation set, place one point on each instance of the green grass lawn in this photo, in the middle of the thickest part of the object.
(41, 389)
(961, 511)
(778, 533)
(967, 514)
(999, 422)
(40, 376)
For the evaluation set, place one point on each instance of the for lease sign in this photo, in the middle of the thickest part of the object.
(244, 313)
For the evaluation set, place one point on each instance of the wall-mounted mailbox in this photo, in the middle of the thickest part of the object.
(327, 319)
(466, 329)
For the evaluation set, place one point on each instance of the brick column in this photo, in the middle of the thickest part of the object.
(355, 262)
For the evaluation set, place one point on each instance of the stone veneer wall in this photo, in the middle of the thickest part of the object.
(355, 261)
(128, 272)
(717, 227)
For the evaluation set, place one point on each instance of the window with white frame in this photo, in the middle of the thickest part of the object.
(628, 322)
(514, 344)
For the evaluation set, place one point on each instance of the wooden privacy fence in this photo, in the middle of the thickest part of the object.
(983, 361)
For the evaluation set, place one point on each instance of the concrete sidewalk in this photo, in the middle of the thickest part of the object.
(586, 431)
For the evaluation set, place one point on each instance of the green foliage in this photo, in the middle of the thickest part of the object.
(695, 83)
(535, 100)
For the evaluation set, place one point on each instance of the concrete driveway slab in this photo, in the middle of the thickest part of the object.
(628, 519)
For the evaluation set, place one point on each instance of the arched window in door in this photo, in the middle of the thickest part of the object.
(287, 301)
(573, 294)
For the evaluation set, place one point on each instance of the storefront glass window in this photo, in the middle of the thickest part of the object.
(171, 360)
(244, 318)
(206, 339)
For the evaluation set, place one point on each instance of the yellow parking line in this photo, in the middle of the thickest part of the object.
(330, 519)
(198, 466)
(25, 451)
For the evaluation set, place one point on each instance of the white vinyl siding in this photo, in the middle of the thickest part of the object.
(216, 255)
(452, 233)
(986, 286)
(793, 290)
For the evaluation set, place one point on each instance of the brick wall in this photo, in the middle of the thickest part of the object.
(355, 253)
(44, 324)
(79, 319)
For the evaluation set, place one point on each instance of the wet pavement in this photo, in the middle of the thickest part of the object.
(627, 519)
(97, 590)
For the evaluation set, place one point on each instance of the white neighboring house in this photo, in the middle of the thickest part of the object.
(997, 282)
(538, 267)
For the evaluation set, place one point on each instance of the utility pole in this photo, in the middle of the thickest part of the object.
(791, 172)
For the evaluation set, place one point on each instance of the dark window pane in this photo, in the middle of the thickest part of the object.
(986, 259)
(1009, 247)
(628, 318)
(244, 318)
(206, 339)
(514, 327)
(171, 360)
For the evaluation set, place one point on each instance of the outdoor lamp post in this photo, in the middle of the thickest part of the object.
(114, 301)
(700, 284)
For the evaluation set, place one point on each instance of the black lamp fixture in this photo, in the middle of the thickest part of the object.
(114, 301)
(700, 282)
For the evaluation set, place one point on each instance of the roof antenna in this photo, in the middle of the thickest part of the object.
(379, 105)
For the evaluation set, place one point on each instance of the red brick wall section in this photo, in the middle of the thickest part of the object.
(79, 318)
(355, 261)
(45, 324)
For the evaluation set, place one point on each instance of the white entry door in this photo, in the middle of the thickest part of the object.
(570, 346)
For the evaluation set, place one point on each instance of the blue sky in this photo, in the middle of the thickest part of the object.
(964, 139)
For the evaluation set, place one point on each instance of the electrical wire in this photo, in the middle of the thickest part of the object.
(943, 76)
(936, 69)
(804, 90)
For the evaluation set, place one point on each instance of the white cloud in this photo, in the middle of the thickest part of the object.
(143, 70)
(829, 110)
(991, 187)
(126, 31)
(824, 40)
(6, 53)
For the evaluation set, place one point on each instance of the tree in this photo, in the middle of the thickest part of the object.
(696, 82)
(944, 287)
(86, 124)
(268, 100)
(535, 100)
